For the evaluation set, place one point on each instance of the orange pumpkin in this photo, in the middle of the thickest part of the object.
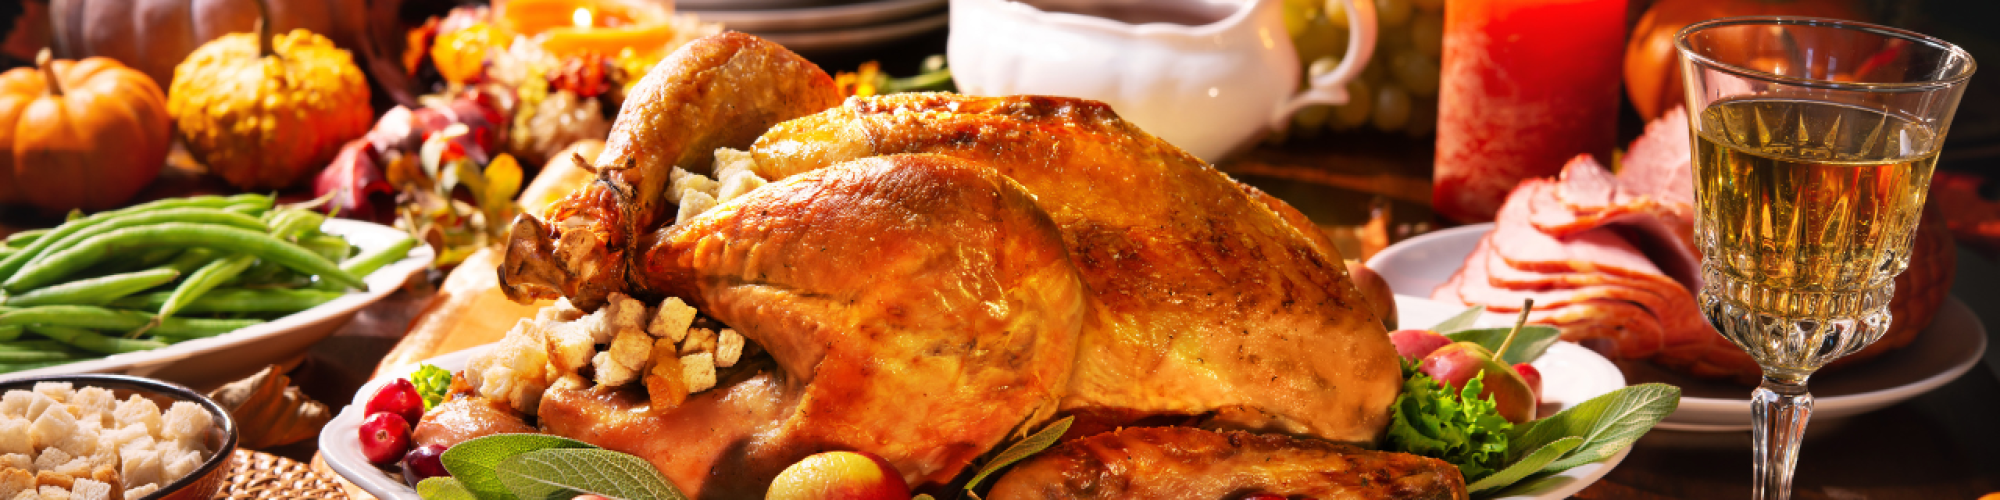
(154, 35)
(1652, 66)
(79, 134)
(266, 112)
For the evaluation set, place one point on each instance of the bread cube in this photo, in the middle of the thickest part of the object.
(610, 373)
(138, 410)
(738, 184)
(699, 340)
(728, 347)
(672, 320)
(15, 435)
(50, 458)
(59, 391)
(141, 467)
(683, 184)
(89, 489)
(74, 468)
(94, 400)
(188, 424)
(570, 346)
(141, 491)
(53, 429)
(693, 203)
(21, 461)
(25, 404)
(699, 371)
(14, 480)
(176, 464)
(625, 313)
(50, 492)
(558, 312)
(729, 161)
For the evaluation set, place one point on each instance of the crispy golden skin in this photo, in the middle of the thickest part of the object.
(921, 306)
(717, 91)
(1182, 462)
(1206, 301)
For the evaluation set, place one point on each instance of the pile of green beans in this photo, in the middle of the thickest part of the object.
(153, 274)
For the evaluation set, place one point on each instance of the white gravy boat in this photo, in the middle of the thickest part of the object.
(1211, 79)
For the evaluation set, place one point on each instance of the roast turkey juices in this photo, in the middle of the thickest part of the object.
(934, 275)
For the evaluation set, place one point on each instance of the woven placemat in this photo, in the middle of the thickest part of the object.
(260, 475)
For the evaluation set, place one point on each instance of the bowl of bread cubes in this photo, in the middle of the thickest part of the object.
(98, 437)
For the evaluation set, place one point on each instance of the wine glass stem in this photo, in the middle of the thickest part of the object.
(1779, 410)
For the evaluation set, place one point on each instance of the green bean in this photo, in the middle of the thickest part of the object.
(13, 263)
(205, 279)
(98, 248)
(99, 318)
(22, 239)
(366, 263)
(32, 345)
(190, 259)
(10, 357)
(236, 300)
(8, 333)
(147, 218)
(95, 291)
(93, 341)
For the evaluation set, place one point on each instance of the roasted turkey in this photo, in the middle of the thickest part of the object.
(933, 274)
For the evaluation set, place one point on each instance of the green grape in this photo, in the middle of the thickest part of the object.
(1355, 113)
(1392, 109)
(1336, 13)
(1429, 5)
(1427, 34)
(1391, 13)
(1297, 14)
(1320, 39)
(1423, 117)
(1310, 120)
(1416, 72)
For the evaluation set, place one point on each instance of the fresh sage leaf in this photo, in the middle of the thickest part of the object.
(1040, 440)
(1528, 345)
(472, 462)
(443, 488)
(1462, 321)
(1526, 465)
(1606, 423)
(561, 473)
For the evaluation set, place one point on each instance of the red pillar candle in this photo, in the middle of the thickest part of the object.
(1525, 85)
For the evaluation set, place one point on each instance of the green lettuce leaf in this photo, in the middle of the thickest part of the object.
(1429, 419)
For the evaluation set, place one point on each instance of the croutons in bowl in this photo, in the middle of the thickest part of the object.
(97, 436)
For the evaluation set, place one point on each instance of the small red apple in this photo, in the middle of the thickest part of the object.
(1457, 363)
(839, 475)
(1414, 344)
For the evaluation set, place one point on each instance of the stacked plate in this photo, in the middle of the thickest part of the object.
(823, 25)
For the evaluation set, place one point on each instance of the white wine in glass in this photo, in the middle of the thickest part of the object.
(1814, 145)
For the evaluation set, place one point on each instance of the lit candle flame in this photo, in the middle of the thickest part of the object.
(581, 17)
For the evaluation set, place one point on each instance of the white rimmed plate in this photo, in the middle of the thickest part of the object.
(862, 36)
(1952, 344)
(209, 361)
(1571, 374)
(824, 18)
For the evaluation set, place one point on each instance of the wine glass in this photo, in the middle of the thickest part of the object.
(1814, 141)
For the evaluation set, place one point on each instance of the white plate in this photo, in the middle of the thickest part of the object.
(865, 36)
(766, 21)
(1570, 374)
(1952, 344)
(229, 356)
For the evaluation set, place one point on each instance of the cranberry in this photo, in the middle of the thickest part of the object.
(384, 438)
(399, 398)
(423, 463)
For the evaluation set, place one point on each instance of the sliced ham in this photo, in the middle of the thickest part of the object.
(1605, 326)
(1660, 162)
(1597, 250)
(1587, 197)
(1475, 285)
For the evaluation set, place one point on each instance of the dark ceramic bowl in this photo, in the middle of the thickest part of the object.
(205, 481)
